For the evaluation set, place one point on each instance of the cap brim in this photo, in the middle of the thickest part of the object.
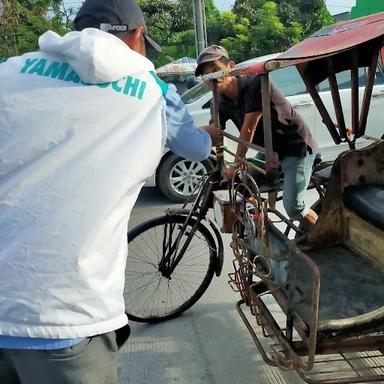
(152, 43)
(205, 61)
(198, 70)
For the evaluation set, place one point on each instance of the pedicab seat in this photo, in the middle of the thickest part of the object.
(346, 249)
(367, 201)
(350, 296)
(324, 174)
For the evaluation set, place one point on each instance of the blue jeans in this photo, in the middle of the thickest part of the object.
(297, 175)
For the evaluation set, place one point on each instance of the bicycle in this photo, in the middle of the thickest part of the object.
(173, 258)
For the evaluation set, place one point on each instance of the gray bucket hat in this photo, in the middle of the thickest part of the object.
(116, 16)
(211, 53)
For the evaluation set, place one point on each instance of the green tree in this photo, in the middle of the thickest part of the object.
(273, 25)
(311, 14)
(263, 32)
(236, 36)
(170, 22)
(170, 25)
(23, 21)
(270, 34)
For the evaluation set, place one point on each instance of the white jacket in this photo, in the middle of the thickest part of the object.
(81, 128)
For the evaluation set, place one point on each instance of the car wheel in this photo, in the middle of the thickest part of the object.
(179, 178)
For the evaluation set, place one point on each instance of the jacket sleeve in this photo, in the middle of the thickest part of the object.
(183, 137)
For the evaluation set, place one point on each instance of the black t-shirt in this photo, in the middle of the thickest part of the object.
(290, 134)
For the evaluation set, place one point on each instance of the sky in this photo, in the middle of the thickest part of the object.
(334, 6)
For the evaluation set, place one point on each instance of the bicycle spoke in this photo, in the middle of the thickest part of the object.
(152, 290)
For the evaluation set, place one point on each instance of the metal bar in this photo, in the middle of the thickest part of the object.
(263, 67)
(249, 164)
(336, 98)
(285, 220)
(267, 122)
(290, 301)
(247, 143)
(330, 371)
(239, 70)
(320, 105)
(300, 326)
(355, 357)
(314, 313)
(347, 380)
(355, 91)
(368, 343)
(275, 331)
(219, 148)
(253, 334)
(368, 94)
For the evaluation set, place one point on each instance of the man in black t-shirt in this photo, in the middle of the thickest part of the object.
(239, 100)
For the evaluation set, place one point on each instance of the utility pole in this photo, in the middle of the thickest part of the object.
(200, 25)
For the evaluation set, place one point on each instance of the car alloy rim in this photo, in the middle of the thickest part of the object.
(185, 176)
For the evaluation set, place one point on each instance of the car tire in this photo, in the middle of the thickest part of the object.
(178, 178)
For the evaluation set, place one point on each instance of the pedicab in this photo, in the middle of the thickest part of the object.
(317, 296)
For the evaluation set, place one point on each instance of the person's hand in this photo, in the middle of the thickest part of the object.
(216, 136)
(230, 172)
(232, 169)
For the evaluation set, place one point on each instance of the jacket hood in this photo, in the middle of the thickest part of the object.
(96, 56)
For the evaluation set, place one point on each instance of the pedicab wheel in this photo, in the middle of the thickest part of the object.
(150, 296)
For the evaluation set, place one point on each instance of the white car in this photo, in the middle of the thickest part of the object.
(177, 177)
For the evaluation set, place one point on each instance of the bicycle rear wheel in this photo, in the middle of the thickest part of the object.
(149, 295)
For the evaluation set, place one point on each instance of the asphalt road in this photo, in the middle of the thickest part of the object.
(208, 344)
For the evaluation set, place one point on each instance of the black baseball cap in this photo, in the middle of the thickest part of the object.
(116, 16)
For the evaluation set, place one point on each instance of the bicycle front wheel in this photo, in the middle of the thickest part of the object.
(150, 295)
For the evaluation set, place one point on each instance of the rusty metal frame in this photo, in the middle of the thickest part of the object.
(311, 87)
(357, 364)
(336, 98)
(287, 351)
(368, 93)
(303, 352)
(291, 353)
(355, 91)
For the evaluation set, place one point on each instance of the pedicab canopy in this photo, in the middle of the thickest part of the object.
(344, 46)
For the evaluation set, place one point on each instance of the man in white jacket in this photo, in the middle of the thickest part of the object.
(75, 120)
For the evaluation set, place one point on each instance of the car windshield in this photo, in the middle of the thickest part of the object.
(182, 81)
(289, 81)
(194, 93)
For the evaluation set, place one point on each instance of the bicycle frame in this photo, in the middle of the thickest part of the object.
(172, 255)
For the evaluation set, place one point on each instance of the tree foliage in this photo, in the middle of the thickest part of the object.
(251, 28)
(311, 14)
(274, 25)
(23, 21)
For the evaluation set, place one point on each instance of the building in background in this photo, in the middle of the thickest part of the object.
(342, 16)
(366, 7)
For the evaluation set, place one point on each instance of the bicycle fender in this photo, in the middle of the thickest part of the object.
(219, 248)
